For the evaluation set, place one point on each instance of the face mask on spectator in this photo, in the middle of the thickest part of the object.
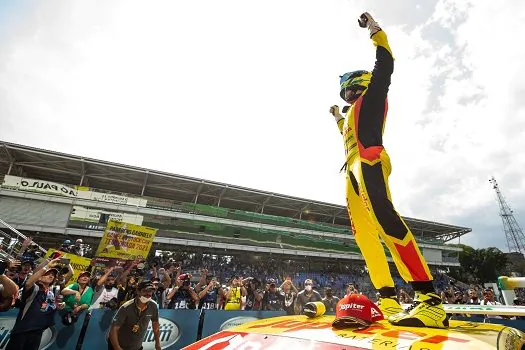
(308, 287)
(144, 300)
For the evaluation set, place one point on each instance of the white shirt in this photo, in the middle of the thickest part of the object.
(104, 297)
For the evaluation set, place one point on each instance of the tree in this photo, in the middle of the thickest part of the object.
(480, 265)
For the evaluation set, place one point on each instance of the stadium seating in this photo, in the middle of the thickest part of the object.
(240, 215)
(204, 230)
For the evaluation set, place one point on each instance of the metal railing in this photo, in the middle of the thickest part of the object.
(11, 241)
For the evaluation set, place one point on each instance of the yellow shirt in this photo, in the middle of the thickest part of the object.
(234, 302)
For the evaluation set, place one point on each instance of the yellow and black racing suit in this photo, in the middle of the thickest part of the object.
(367, 170)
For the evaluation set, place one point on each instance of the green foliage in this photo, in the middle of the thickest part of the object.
(480, 265)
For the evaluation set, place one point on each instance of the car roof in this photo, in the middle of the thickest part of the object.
(286, 331)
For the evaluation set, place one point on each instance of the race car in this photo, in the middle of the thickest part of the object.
(301, 332)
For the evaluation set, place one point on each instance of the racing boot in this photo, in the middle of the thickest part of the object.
(389, 306)
(426, 311)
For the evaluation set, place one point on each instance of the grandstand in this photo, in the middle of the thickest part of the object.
(45, 194)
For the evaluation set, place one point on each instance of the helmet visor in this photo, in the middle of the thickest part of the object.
(351, 75)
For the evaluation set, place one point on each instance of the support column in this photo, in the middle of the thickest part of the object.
(83, 173)
(10, 167)
(198, 193)
(220, 196)
(144, 183)
(303, 209)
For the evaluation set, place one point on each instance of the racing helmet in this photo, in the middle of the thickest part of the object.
(355, 80)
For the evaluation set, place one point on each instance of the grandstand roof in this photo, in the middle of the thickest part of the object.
(69, 169)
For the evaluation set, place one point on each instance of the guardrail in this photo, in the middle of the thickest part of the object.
(11, 239)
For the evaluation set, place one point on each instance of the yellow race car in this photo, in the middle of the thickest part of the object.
(301, 332)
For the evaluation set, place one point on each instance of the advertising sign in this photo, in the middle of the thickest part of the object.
(86, 193)
(178, 328)
(49, 187)
(219, 320)
(31, 185)
(102, 216)
(57, 337)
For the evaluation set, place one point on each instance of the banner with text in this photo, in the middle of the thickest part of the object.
(101, 216)
(31, 185)
(125, 241)
(78, 263)
(49, 187)
(101, 263)
(87, 193)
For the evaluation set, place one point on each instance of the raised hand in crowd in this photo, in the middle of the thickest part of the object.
(121, 280)
(178, 270)
(68, 275)
(104, 277)
(202, 281)
(27, 242)
(13, 263)
(288, 281)
(36, 276)
(164, 277)
(10, 289)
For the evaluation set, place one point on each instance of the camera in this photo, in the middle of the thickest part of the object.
(111, 304)
(186, 283)
(63, 266)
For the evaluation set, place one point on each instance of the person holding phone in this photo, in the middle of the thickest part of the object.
(210, 294)
(37, 312)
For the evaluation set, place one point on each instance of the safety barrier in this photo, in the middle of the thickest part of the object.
(54, 338)
(178, 328)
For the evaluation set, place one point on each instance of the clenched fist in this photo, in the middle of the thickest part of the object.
(334, 110)
(367, 21)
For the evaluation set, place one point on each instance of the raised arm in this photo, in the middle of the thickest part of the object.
(384, 64)
(36, 275)
(339, 119)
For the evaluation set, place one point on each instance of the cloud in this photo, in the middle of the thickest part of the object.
(239, 92)
(473, 128)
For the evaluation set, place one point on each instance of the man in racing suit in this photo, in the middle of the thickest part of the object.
(373, 216)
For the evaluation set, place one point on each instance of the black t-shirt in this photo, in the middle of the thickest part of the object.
(251, 302)
(209, 300)
(303, 298)
(289, 301)
(181, 300)
(41, 308)
(331, 303)
(273, 301)
(158, 296)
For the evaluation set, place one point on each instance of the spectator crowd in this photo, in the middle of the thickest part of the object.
(40, 287)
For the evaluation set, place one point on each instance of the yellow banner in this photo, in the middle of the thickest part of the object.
(78, 263)
(126, 241)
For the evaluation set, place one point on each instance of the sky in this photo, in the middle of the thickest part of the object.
(239, 91)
